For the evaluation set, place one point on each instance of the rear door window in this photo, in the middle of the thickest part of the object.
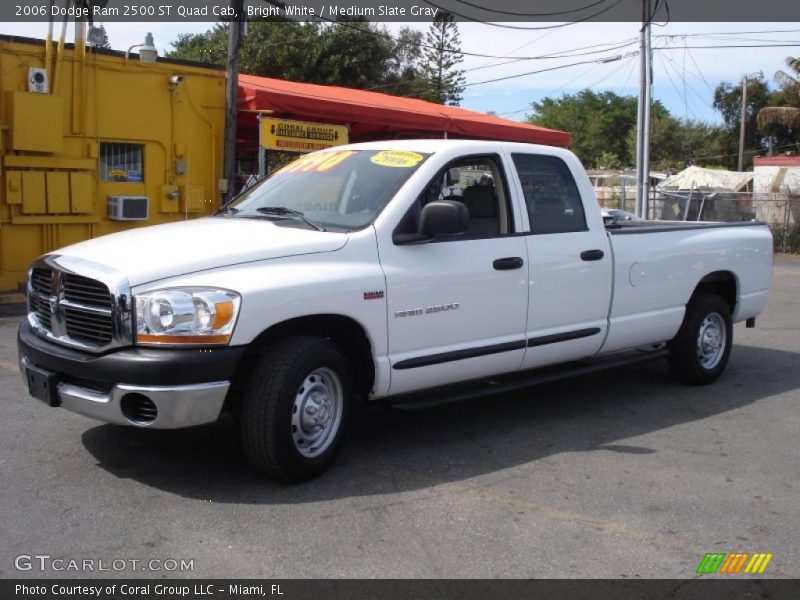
(551, 194)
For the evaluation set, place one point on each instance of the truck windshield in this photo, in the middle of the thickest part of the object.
(341, 190)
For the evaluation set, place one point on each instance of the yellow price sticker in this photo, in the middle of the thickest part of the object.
(397, 159)
(319, 162)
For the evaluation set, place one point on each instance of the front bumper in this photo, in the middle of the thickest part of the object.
(144, 387)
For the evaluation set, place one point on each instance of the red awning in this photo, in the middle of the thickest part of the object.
(372, 115)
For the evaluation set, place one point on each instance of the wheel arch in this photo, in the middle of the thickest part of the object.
(344, 331)
(721, 283)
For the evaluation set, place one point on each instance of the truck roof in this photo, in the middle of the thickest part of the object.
(438, 145)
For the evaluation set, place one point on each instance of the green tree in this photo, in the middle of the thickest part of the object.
(608, 160)
(599, 122)
(404, 74)
(780, 122)
(789, 82)
(728, 102)
(355, 54)
(441, 81)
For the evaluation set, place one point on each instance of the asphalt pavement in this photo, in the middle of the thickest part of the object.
(622, 474)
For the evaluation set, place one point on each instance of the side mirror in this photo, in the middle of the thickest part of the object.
(443, 218)
(438, 219)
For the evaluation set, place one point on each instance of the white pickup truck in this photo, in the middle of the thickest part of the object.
(386, 271)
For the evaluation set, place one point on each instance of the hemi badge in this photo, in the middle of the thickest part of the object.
(373, 295)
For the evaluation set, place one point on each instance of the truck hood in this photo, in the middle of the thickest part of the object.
(152, 253)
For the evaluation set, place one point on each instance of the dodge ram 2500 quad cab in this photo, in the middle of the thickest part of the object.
(381, 271)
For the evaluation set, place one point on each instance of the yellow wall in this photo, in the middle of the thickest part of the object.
(51, 194)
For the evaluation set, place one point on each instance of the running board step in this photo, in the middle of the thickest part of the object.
(512, 383)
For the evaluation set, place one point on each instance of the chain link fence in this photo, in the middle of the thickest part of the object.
(781, 211)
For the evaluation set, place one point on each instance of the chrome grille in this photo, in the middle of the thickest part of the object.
(87, 327)
(76, 310)
(42, 280)
(41, 308)
(86, 291)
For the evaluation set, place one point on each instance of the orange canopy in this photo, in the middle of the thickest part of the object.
(372, 115)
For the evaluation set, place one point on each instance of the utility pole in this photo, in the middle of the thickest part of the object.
(742, 124)
(235, 28)
(643, 113)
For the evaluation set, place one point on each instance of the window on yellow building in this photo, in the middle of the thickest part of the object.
(121, 162)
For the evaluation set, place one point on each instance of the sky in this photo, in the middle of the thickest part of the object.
(683, 77)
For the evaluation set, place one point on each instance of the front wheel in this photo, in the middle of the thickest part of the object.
(295, 408)
(700, 351)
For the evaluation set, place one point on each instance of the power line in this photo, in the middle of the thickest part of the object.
(730, 46)
(675, 87)
(629, 62)
(680, 94)
(584, 62)
(506, 26)
(518, 14)
(669, 60)
(700, 75)
(724, 33)
(750, 151)
(614, 72)
(628, 78)
(564, 54)
(390, 37)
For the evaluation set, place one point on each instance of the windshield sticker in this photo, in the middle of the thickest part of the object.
(397, 159)
(319, 162)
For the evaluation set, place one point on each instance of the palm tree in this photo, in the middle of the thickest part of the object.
(783, 122)
(789, 80)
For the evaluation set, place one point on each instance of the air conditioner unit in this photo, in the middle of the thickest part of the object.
(128, 208)
(37, 81)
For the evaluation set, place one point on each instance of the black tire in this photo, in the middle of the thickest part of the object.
(690, 361)
(277, 384)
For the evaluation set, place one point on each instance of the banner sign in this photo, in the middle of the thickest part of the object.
(300, 136)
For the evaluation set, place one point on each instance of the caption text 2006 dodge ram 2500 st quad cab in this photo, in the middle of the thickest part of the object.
(390, 270)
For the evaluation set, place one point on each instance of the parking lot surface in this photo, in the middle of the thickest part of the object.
(622, 474)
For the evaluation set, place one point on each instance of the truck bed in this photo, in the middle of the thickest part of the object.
(630, 227)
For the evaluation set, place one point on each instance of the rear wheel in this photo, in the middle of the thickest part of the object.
(700, 351)
(295, 408)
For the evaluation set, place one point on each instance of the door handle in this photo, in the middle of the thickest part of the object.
(589, 255)
(506, 264)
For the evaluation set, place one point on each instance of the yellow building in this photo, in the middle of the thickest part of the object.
(93, 142)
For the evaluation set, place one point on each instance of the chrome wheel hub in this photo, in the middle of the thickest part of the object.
(712, 338)
(317, 412)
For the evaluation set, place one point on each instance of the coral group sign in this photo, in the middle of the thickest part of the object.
(301, 136)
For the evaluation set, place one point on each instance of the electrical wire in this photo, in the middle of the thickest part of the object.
(630, 61)
(554, 56)
(538, 28)
(724, 33)
(668, 59)
(518, 14)
(389, 37)
(749, 151)
(731, 46)
(683, 94)
(655, 12)
(584, 62)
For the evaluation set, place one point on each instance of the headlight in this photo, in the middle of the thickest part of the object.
(197, 316)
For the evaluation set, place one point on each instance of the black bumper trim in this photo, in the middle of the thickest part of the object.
(135, 366)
